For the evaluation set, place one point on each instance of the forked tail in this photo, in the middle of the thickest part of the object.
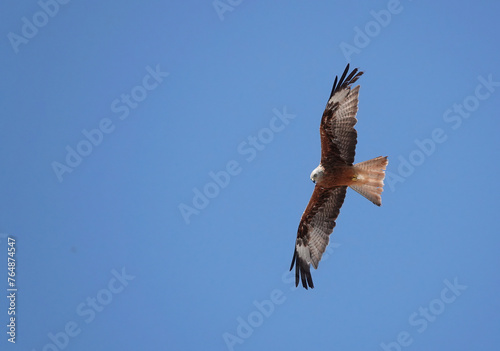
(370, 178)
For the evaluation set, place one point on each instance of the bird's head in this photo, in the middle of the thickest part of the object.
(317, 174)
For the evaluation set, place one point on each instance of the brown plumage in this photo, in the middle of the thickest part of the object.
(335, 173)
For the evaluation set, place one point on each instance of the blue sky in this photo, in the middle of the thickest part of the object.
(156, 159)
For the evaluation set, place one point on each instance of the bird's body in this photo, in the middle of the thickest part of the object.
(338, 175)
(334, 174)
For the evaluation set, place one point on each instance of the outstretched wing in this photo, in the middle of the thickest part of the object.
(314, 231)
(338, 136)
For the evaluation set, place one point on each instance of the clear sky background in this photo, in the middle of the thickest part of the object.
(117, 249)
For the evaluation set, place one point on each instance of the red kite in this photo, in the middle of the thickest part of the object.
(334, 174)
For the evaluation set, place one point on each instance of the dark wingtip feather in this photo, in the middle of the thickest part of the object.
(334, 86)
(345, 82)
(302, 272)
(305, 274)
(310, 280)
(293, 258)
(303, 277)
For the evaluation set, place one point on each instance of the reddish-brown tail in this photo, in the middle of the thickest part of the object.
(370, 178)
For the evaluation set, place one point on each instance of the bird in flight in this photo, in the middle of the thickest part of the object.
(334, 174)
